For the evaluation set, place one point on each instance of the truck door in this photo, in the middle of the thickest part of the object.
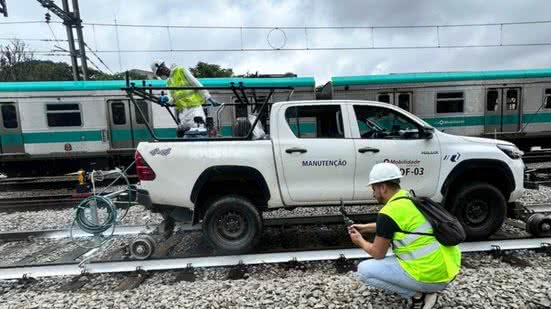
(126, 125)
(502, 112)
(316, 155)
(386, 135)
(11, 137)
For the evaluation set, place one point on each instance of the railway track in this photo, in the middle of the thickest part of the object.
(48, 182)
(537, 156)
(52, 201)
(71, 263)
(176, 263)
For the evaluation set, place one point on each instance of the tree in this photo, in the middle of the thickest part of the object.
(203, 69)
(14, 60)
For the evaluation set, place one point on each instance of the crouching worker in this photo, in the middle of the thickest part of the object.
(421, 266)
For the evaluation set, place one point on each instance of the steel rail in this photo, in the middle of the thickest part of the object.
(44, 201)
(120, 230)
(137, 229)
(46, 182)
(163, 264)
(537, 156)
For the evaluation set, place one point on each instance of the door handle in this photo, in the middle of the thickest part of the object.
(368, 149)
(295, 149)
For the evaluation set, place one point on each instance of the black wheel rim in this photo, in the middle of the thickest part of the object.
(231, 225)
(476, 212)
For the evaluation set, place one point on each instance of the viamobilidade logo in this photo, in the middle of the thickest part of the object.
(157, 151)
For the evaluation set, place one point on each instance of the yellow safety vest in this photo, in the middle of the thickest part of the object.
(421, 256)
(183, 98)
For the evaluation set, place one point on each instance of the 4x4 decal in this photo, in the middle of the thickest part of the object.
(453, 158)
(163, 152)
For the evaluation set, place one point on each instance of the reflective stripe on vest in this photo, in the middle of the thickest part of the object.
(430, 248)
(425, 228)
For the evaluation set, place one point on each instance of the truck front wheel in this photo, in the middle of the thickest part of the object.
(481, 208)
(232, 224)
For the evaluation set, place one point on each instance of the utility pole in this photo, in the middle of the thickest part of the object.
(3, 8)
(71, 20)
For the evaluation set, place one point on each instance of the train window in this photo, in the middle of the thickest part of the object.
(144, 108)
(403, 101)
(323, 121)
(492, 100)
(383, 97)
(512, 99)
(9, 115)
(547, 99)
(63, 115)
(449, 102)
(118, 113)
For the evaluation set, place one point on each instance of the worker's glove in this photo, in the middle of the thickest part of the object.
(213, 102)
(163, 100)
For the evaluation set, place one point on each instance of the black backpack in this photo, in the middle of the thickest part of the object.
(446, 228)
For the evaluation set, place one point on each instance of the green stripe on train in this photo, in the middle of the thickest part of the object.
(61, 137)
(143, 134)
(467, 121)
(118, 84)
(428, 77)
(11, 139)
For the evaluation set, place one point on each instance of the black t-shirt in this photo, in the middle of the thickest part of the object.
(386, 226)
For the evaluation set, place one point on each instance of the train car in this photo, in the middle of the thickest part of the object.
(58, 127)
(514, 105)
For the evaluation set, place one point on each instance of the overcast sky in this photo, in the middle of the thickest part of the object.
(320, 64)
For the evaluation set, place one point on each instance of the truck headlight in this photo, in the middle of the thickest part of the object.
(511, 151)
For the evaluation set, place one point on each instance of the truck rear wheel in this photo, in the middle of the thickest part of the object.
(232, 224)
(481, 208)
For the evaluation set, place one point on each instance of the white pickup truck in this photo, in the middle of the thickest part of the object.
(318, 153)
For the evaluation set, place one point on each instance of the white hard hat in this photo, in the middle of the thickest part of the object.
(156, 65)
(382, 172)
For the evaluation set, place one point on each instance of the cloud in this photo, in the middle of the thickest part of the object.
(307, 13)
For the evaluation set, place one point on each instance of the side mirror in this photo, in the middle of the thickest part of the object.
(427, 132)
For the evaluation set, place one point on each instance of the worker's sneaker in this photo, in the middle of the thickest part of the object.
(425, 301)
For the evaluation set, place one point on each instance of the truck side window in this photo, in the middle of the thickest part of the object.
(315, 121)
(383, 123)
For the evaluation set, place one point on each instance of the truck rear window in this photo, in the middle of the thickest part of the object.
(318, 121)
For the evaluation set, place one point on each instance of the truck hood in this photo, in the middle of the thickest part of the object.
(482, 140)
(479, 140)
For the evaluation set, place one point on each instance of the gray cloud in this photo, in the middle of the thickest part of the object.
(321, 64)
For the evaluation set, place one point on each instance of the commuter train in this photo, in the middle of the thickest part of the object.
(510, 105)
(59, 127)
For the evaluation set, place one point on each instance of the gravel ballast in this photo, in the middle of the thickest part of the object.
(484, 282)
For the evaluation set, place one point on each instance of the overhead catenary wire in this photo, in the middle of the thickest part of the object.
(97, 57)
(306, 30)
(319, 27)
(199, 50)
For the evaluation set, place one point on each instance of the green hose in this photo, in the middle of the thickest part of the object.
(86, 224)
(101, 202)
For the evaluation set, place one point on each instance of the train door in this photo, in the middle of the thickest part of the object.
(126, 125)
(139, 128)
(502, 112)
(400, 99)
(11, 137)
